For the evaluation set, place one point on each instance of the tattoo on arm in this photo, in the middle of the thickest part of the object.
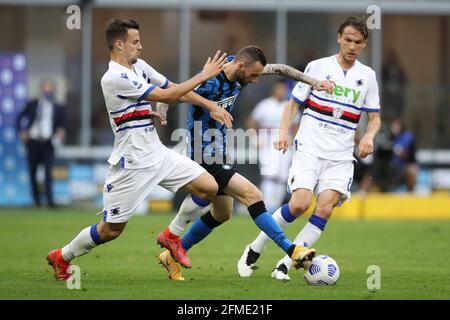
(289, 72)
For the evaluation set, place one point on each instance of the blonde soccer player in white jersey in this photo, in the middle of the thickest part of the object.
(324, 144)
(139, 161)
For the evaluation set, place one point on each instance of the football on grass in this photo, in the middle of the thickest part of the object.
(322, 271)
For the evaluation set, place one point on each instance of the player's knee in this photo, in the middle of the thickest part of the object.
(211, 191)
(208, 191)
(324, 211)
(299, 207)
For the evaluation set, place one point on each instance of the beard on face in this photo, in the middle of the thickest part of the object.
(241, 78)
(133, 60)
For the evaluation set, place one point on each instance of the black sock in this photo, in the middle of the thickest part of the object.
(209, 220)
(256, 209)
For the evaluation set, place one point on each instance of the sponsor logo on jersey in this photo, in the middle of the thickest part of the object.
(225, 103)
(351, 93)
(337, 113)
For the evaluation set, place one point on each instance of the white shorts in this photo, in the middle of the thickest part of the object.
(125, 189)
(317, 174)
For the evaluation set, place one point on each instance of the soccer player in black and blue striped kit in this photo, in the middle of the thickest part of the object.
(208, 144)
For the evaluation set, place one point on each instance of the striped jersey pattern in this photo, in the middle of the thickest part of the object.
(208, 138)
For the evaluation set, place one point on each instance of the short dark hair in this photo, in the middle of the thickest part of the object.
(357, 23)
(251, 54)
(118, 28)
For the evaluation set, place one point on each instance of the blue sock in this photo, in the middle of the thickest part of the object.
(199, 230)
(94, 234)
(286, 213)
(199, 201)
(267, 223)
(318, 221)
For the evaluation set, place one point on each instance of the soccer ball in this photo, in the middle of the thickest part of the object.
(322, 271)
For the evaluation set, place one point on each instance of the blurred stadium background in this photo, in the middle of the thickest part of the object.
(410, 54)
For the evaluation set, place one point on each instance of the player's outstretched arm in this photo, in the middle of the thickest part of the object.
(365, 146)
(217, 113)
(289, 112)
(286, 71)
(211, 69)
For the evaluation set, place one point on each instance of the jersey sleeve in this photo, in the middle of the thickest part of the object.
(206, 89)
(125, 88)
(372, 100)
(302, 90)
(156, 78)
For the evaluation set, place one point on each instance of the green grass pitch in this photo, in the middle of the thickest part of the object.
(413, 256)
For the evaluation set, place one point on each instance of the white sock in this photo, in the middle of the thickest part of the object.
(189, 211)
(260, 243)
(80, 245)
(307, 237)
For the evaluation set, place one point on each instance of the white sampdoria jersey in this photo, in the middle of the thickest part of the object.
(329, 121)
(136, 143)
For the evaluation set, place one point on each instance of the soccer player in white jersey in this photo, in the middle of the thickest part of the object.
(323, 147)
(139, 160)
(273, 165)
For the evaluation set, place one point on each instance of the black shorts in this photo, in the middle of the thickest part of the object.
(222, 173)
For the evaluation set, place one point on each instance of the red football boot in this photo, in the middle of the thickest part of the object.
(172, 242)
(60, 266)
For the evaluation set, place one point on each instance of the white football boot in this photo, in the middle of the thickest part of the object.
(247, 262)
(281, 272)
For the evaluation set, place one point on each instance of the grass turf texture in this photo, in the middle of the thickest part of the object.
(413, 257)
